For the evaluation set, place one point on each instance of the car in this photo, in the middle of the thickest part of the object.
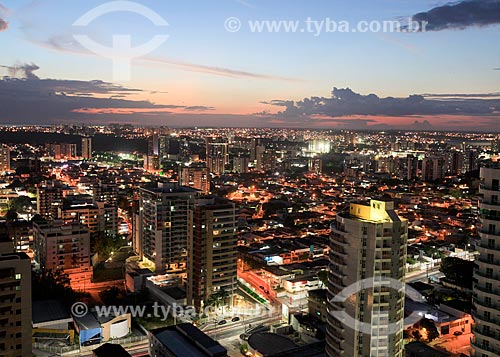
(222, 322)
(261, 287)
(458, 333)
(235, 319)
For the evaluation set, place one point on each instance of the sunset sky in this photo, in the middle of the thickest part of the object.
(204, 75)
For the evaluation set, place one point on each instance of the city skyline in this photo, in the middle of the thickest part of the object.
(258, 241)
(249, 178)
(208, 75)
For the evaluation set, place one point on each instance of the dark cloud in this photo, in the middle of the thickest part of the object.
(4, 25)
(496, 69)
(421, 125)
(345, 102)
(32, 100)
(462, 95)
(25, 70)
(461, 15)
(195, 108)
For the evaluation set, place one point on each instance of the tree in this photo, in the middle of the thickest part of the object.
(223, 295)
(51, 284)
(458, 271)
(430, 327)
(289, 221)
(214, 301)
(323, 277)
(417, 335)
(20, 204)
(124, 204)
(11, 215)
(244, 348)
(110, 296)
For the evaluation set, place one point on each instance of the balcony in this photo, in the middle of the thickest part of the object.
(480, 273)
(479, 350)
(484, 319)
(489, 217)
(483, 304)
(486, 333)
(338, 252)
(484, 245)
(492, 292)
(485, 187)
(337, 305)
(338, 338)
(486, 234)
(485, 202)
(492, 263)
(339, 240)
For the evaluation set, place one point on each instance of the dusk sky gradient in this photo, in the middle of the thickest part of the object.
(206, 76)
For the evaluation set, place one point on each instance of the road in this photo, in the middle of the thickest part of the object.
(421, 275)
(137, 349)
(234, 329)
(260, 286)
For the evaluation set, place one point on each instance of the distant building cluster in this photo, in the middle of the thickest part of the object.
(248, 235)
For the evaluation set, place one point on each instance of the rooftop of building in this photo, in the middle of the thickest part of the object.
(49, 310)
(60, 226)
(143, 271)
(316, 349)
(175, 292)
(87, 322)
(490, 165)
(170, 188)
(213, 203)
(268, 344)
(111, 349)
(14, 255)
(187, 340)
(320, 294)
(417, 348)
(460, 305)
(373, 210)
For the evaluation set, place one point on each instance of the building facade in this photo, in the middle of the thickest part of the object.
(49, 200)
(66, 247)
(433, 168)
(486, 291)
(240, 164)
(165, 226)
(4, 158)
(15, 300)
(195, 177)
(87, 148)
(212, 252)
(217, 155)
(368, 241)
(86, 214)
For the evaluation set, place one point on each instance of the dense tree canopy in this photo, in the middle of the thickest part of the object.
(458, 271)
